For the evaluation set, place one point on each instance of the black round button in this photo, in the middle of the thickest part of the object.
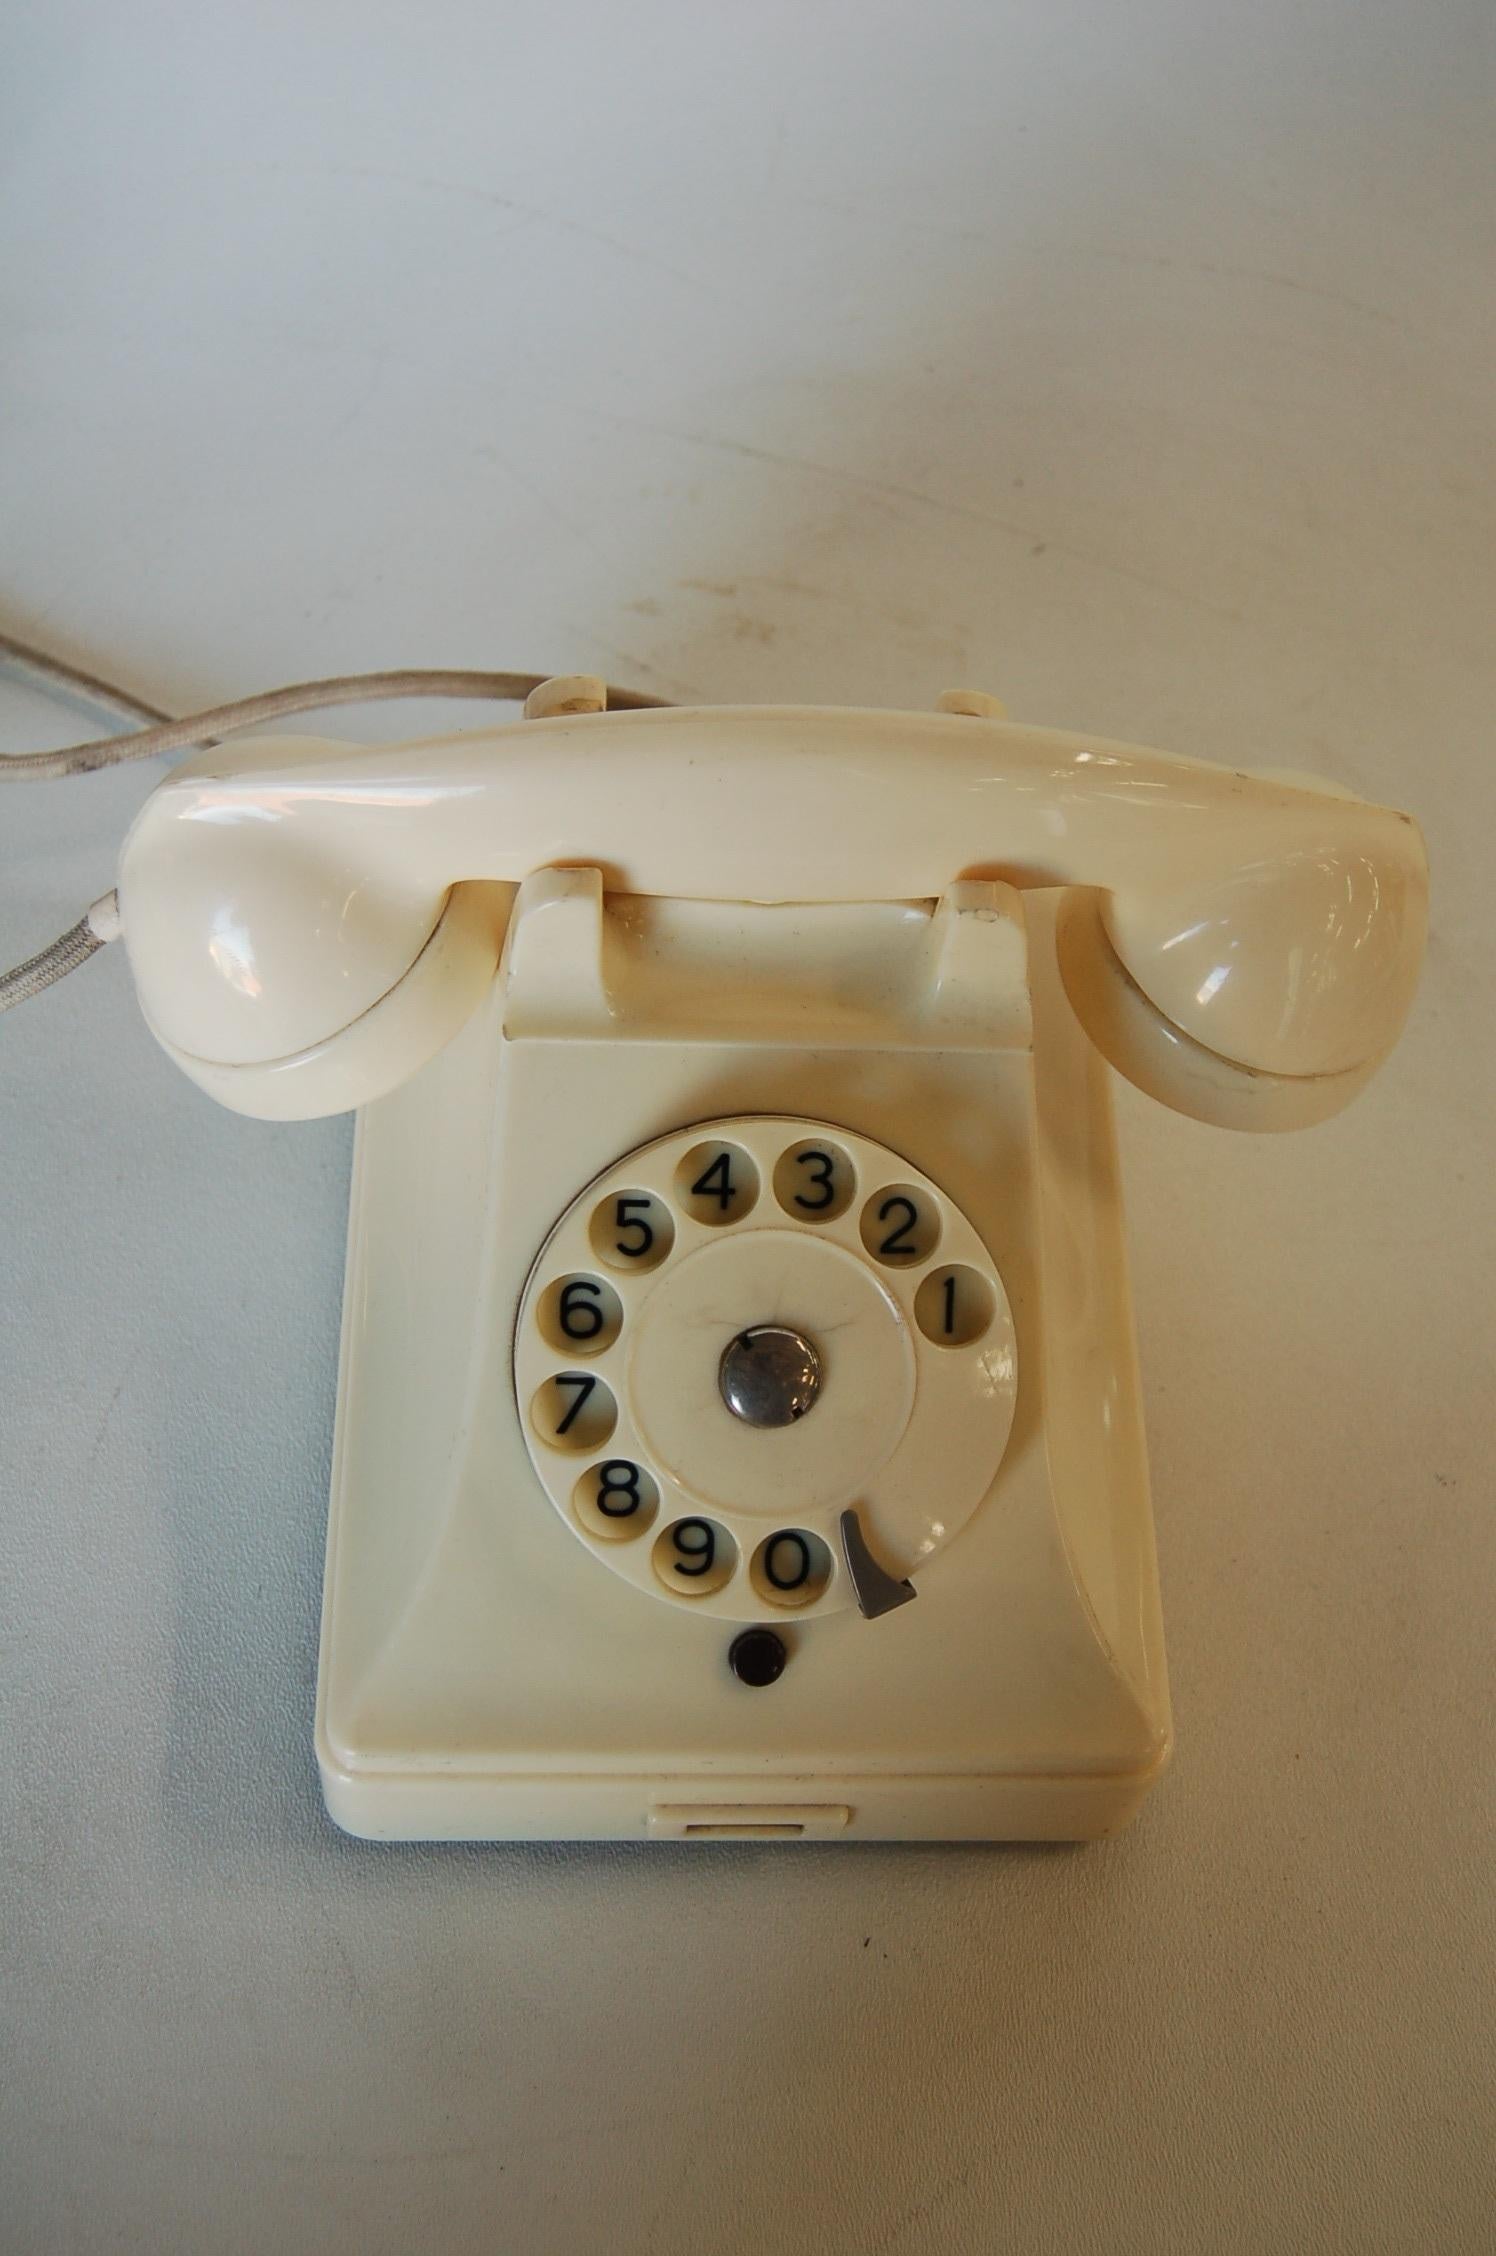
(757, 1656)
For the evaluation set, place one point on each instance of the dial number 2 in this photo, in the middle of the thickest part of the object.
(900, 1226)
(898, 1245)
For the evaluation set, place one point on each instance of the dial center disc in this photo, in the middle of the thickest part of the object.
(670, 1386)
(769, 1375)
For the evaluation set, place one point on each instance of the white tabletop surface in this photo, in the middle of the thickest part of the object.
(1135, 362)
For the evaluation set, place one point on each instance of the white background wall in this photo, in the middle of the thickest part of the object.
(1134, 361)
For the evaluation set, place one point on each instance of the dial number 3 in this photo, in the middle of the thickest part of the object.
(814, 1182)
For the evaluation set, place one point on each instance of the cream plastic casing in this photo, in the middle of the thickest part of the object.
(482, 1675)
(547, 961)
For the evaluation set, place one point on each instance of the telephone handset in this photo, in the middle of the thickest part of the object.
(735, 1253)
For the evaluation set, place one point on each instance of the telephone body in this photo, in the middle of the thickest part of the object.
(738, 1430)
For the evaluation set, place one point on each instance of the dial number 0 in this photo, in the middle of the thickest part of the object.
(791, 1568)
(787, 1561)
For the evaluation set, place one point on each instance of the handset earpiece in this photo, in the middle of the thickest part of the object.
(286, 956)
(1263, 990)
(1158, 1057)
(385, 1043)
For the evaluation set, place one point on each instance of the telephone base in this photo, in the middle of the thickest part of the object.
(482, 1676)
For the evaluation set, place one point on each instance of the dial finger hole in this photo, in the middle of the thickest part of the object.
(901, 1225)
(954, 1305)
(815, 1181)
(631, 1231)
(791, 1568)
(573, 1410)
(694, 1557)
(616, 1500)
(716, 1183)
(579, 1315)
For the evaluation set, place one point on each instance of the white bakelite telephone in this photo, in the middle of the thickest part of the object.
(738, 1426)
